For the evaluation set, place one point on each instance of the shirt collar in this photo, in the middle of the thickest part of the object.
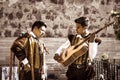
(32, 34)
(79, 36)
(83, 36)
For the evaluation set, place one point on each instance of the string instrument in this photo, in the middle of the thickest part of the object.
(70, 54)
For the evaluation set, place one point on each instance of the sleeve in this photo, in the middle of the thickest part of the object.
(93, 50)
(25, 61)
(18, 48)
(63, 47)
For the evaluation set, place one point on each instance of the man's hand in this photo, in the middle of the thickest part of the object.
(27, 67)
(97, 40)
(57, 57)
(92, 38)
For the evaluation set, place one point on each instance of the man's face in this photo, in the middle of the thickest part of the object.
(80, 29)
(40, 31)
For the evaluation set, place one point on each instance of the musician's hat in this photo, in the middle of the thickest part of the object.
(83, 21)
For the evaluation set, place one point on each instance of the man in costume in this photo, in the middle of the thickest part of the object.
(29, 51)
(81, 68)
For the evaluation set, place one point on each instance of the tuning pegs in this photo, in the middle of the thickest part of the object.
(115, 13)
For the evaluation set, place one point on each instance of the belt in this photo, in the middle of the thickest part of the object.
(78, 66)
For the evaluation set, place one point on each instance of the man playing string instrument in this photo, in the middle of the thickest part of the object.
(81, 68)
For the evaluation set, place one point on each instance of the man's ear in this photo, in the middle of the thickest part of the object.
(43, 28)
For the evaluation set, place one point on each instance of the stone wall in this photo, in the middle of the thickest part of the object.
(59, 15)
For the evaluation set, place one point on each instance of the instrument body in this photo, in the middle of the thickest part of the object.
(73, 52)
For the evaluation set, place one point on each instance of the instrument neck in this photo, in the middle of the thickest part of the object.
(87, 38)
